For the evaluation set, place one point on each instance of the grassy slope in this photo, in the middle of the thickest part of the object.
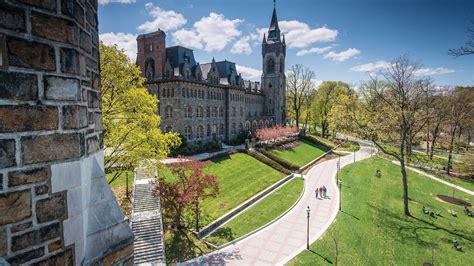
(260, 214)
(304, 153)
(373, 231)
(240, 177)
(121, 180)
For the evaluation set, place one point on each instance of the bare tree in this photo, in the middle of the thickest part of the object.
(439, 116)
(299, 84)
(395, 110)
(468, 47)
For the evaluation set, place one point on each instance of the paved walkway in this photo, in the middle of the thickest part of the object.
(465, 190)
(146, 223)
(286, 238)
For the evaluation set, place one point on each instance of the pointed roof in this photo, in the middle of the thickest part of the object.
(274, 29)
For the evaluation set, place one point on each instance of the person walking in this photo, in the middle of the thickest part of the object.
(321, 191)
(316, 191)
(325, 190)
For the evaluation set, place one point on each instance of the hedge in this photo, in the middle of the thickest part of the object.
(267, 161)
(282, 162)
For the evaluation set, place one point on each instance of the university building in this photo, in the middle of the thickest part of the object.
(211, 101)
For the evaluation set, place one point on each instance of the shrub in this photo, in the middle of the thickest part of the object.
(318, 141)
(282, 162)
(268, 162)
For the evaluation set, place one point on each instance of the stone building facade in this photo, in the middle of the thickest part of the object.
(56, 207)
(206, 102)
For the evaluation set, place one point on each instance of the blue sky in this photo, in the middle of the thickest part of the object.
(338, 39)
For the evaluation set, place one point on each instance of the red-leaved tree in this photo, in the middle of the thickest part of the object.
(276, 132)
(183, 193)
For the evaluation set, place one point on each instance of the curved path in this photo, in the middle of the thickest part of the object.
(286, 238)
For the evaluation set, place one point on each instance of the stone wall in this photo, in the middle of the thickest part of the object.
(55, 205)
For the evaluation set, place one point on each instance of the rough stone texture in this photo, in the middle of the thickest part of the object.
(31, 54)
(42, 189)
(37, 149)
(126, 251)
(74, 10)
(23, 177)
(3, 242)
(18, 86)
(55, 246)
(15, 206)
(85, 41)
(12, 18)
(74, 117)
(58, 88)
(20, 118)
(70, 61)
(21, 227)
(92, 144)
(35, 237)
(92, 99)
(53, 28)
(26, 256)
(7, 153)
(52, 208)
(65, 258)
(46, 4)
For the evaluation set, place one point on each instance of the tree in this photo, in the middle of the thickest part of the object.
(131, 124)
(468, 47)
(439, 115)
(324, 100)
(394, 106)
(299, 84)
(340, 117)
(460, 110)
(183, 193)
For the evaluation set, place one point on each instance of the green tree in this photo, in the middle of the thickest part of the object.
(131, 124)
(340, 116)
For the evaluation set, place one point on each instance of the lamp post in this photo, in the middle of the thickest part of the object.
(308, 210)
(340, 193)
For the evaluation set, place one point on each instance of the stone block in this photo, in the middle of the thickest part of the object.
(118, 255)
(54, 28)
(70, 61)
(74, 10)
(98, 122)
(24, 257)
(55, 246)
(92, 99)
(92, 144)
(21, 118)
(45, 4)
(36, 175)
(12, 18)
(18, 86)
(42, 189)
(3, 242)
(21, 227)
(65, 258)
(74, 117)
(85, 41)
(7, 153)
(52, 208)
(30, 54)
(95, 80)
(36, 237)
(15, 207)
(37, 149)
(59, 88)
(91, 16)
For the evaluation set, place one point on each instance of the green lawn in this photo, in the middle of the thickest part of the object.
(302, 154)
(240, 177)
(121, 180)
(260, 214)
(372, 230)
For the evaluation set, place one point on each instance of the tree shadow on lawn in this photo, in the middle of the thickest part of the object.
(353, 216)
(404, 229)
(224, 233)
(321, 256)
(221, 158)
(182, 247)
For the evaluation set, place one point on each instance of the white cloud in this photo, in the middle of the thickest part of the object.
(213, 33)
(249, 73)
(106, 2)
(242, 46)
(433, 71)
(165, 20)
(342, 56)
(314, 50)
(300, 35)
(317, 82)
(125, 41)
(370, 67)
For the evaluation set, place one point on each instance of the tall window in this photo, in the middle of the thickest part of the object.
(188, 112)
(221, 129)
(208, 111)
(200, 132)
(199, 112)
(221, 112)
(241, 111)
(214, 111)
(270, 65)
(188, 132)
(169, 112)
(208, 130)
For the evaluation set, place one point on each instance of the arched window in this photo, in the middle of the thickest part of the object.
(200, 132)
(188, 112)
(282, 65)
(208, 111)
(150, 69)
(199, 112)
(169, 112)
(221, 129)
(221, 112)
(208, 130)
(247, 125)
(188, 132)
(214, 111)
(241, 111)
(270, 66)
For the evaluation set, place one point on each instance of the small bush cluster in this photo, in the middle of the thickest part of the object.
(276, 132)
(199, 147)
(268, 162)
(317, 141)
(265, 151)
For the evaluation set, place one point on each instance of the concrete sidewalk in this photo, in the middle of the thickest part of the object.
(286, 238)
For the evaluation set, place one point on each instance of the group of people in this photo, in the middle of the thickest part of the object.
(321, 192)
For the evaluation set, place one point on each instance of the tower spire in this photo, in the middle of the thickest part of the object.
(274, 29)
